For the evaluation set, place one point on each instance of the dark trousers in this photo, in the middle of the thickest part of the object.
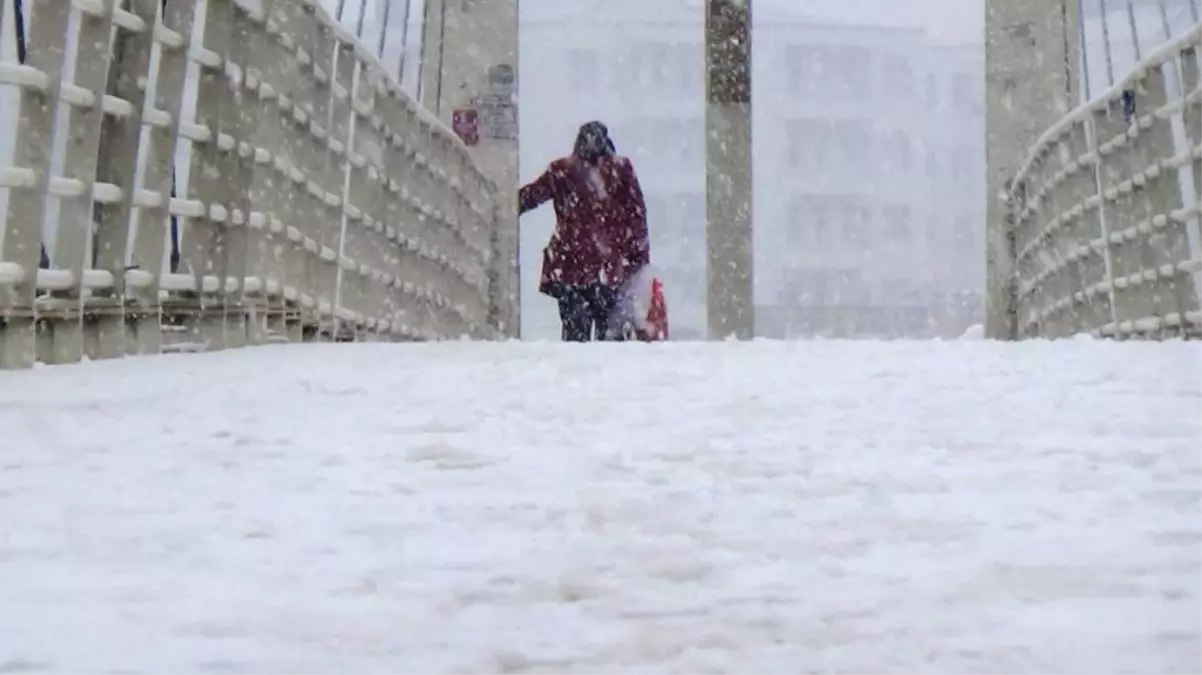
(584, 311)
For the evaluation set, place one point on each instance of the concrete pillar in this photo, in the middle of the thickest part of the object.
(1032, 62)
(470, 61)
(728, 176)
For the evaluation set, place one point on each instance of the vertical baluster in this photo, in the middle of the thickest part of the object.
(293, 200)
(40, 76)
(121, 142)
(146, 251)
(341, 122)
(205, 246)
(329, 173)
(63, 311)
(257, 141)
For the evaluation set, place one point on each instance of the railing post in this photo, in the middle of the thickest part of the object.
(148, 250)
(64, 310)
(361, 193)
(321, 43)
(120, 144)
(257, 144)
(20, 247)
(398, 158)
(342, 126)
(205, 246)
(279, 245)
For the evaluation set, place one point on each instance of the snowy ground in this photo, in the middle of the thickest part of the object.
(772, 507)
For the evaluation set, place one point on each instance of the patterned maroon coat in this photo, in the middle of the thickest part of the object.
(600, 229)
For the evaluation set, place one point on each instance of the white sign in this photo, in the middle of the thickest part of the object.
(498, 112)
(498, 117)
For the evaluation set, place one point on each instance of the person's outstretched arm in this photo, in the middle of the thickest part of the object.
(536, 193)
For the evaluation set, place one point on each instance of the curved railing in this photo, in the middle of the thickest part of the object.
(1104, 214)
(321, 201)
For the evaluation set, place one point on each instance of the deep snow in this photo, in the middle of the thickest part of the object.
(764, 507)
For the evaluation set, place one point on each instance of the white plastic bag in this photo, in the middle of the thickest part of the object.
(641, 310)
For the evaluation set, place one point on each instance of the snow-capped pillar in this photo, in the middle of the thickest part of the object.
(1032, 58)
(728, 173)
(470, 66)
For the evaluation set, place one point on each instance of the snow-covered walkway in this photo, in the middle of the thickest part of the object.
(764, 507)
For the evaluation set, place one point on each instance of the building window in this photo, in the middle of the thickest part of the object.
(627, 74)
(964, 235)
(854, 84)
(964, 94)
(898, 151)
(932, 92)
(826, 222)
(691, 207)
(690, 133)
(689, 64)
(855, 224)
(803, 287)
(796, 141)
(657, 221)
(933, 167)
(629, 140)
(654, 57)
(659, 67)
(816, 72)
(836, 73)
(801, 64)
(583, 70)
(964, 171)
(897, 223)
(683, 221)
(798, 222)
(897, 74)
(670, 142)
(937, 236)
(817, 146)
(822, 286)
(852, 144)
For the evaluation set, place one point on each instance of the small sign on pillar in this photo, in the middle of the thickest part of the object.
(465, 122)
(498, 106)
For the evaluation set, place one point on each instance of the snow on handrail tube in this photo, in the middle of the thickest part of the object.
(1158, 57)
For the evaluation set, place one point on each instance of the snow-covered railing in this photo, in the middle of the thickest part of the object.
(322, 201)
(1105, 211)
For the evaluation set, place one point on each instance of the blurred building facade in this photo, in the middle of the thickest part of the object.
(869, 161)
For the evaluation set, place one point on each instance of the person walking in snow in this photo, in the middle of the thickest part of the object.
(600, 238)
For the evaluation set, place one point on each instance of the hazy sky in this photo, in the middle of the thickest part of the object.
(953, 20)
(958, 20)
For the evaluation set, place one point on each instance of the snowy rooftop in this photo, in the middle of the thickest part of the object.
(460, 507)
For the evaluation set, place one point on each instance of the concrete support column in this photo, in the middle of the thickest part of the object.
(728, 174)
(470, 61)
(1032, 61)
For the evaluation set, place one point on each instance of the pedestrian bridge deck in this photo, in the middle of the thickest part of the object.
(749, 507)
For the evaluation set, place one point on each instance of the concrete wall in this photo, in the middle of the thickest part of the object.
(1031, 81)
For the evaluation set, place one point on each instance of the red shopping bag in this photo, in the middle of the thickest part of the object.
(655, 329)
